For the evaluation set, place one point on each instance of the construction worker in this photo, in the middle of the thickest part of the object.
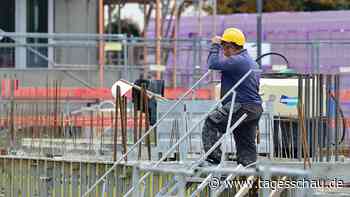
(236, 64)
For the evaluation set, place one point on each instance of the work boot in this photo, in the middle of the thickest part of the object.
(248, 163)
(208, 163)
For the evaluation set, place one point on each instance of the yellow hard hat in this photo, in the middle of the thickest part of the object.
(233, 35)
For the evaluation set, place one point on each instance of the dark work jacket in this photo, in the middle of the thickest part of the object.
(232, 69)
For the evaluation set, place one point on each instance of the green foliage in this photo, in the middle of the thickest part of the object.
(313, 5)
(249, 6)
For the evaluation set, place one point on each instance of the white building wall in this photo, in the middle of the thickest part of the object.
(76, 16)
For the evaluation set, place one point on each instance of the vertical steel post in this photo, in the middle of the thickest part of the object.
(259, 7)
(194, 51)
(313, 131)
(214, 16)
(321, 118)
(12, 115)
(300, 101)
(115, 135)
(182, 185)
(21, 27)
(140, 120)
(101, 41)
(306, 108)
(158, 36)
(125, 44)
(337, 105)
(135, 181)
(199, 52)
(91, 137)
(123, 112)
(328, 112)
(175, 43)
(147, 123)
(266, 176)
(291, 131)
(135, 122)
(183, 148)
(317, 117)
(223, 145)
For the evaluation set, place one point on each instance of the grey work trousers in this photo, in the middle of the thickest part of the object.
(244, 134)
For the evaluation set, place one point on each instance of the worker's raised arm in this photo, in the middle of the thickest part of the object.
(214, 62)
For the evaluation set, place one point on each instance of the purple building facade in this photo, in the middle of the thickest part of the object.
(301, 36)
(317, 42)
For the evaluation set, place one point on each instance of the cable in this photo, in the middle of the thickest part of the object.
(273, 53)
(337, 104)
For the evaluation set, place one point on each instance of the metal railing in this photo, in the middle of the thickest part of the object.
(146, 133)
(228, 132)
(230, 129)
(264, 169)
(72, 50)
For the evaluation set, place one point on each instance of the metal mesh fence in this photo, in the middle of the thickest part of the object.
(73, 61)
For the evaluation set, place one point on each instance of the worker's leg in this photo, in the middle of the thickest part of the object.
(245, 143)
(245, 135)
(214, 128)
(211, 134)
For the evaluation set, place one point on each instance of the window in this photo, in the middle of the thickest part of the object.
(37, 19)
(7, 24)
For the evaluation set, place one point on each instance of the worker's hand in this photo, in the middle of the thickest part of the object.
(216, 40)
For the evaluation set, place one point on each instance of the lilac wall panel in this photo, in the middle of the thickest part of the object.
(280, 27)
(300, 22)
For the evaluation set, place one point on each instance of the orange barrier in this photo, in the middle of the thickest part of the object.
(83, 121)
(35, 93)
(78, 121)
